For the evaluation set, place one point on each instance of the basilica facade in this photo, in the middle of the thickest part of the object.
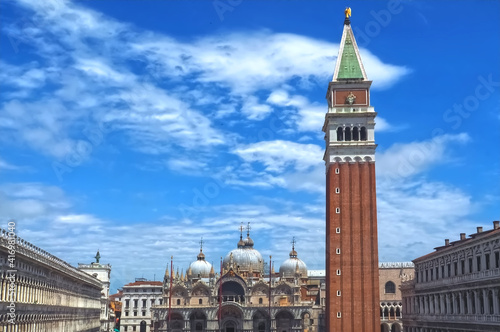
(242, 296)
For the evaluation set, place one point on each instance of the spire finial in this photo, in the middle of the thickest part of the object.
(241, 231)
(293, 243)
(248, 229)
(201, 244)
(347, 13)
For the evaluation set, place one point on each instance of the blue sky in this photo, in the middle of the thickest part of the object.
(138, 127)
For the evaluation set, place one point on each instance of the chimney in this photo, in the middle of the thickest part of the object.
(496, 224)
(462, 236)
(447, 242)
(479, 229)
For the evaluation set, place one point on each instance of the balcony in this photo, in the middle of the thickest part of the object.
(493, 274)
(353, 109)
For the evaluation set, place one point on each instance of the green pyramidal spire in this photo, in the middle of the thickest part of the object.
(349, 65)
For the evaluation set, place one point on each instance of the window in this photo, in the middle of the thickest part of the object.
(338, 314)
(455, 268)
(347, 134)
(135, 303)
(337, 210)
(144, 290)
(449, 270)
(337, 230)
(200, 301)
(432, 274)
(135, 313)
(127, 303)
(340, 134)
(497, 259)
(136, 290)
(126, 313)
(442, 271)
(338, 251)
(462, 266)
(143, 303)
(390, 287)
(134, 328)
(338, 272)
(437, 273)
(178, 302)
(161, 301)
(337, 170)
(487, 256)
(355, 134)
(152, 302)
(144, 313)
(363, 134)
(260, 300)
(337, 190)
(338, 293)
(478, 260)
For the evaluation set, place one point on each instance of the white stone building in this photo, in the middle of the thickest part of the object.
(103, 273)
(43, 292)
(137, 299)
(457, 287)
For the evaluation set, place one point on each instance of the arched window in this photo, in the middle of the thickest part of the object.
(340, 134)
(347, 134)
(178, 302)
(390, 287)
(200, 301)
(260, 300)
(363, 134)
(355, 134)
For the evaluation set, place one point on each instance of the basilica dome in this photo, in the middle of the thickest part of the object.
(292, 266)
(200, 268)
(244, 257)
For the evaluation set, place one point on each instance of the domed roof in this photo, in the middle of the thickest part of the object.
(244, 257)
(293, 265)
(200, 268)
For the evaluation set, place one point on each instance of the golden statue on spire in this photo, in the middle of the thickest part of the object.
(347, 12)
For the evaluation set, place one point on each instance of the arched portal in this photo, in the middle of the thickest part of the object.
(284, 321)
(395, 327)
(261, 322)
(198, 321)
(176, 322)
(384, 327)
(231, 318)
(233, 291)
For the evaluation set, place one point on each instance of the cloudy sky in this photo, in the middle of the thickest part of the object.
(139, 127)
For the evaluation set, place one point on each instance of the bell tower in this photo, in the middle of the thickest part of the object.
(351, 215)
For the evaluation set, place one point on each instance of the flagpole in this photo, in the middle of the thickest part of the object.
(220, 296)
(170, 293)
(270, 283)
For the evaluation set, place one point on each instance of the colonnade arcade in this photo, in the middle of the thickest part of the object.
(234, 318)
(48, 294)
(480, 301)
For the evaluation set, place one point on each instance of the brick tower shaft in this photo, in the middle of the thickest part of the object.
(351, 211)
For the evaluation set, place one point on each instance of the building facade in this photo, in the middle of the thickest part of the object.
(352, 283)
(40, 292)
(456, 287)
(391, 276)
(241, 297)
(138, 298)
(103, 273)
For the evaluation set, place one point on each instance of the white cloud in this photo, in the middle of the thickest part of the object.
(278, 155)
(254, 110)
(404, 160)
